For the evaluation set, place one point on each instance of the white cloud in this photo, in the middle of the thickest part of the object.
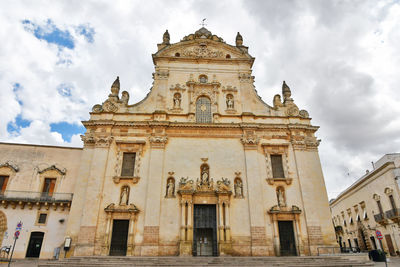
(341, 60)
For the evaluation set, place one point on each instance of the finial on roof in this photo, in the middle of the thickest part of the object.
(286, 91)
(166, 37)
(115, 87)
(203, 22)
(239, 39)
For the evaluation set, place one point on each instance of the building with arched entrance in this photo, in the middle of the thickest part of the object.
(201, 166)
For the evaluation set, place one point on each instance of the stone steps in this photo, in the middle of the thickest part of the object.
(99, 261)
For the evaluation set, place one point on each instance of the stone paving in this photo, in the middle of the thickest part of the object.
(202, 261)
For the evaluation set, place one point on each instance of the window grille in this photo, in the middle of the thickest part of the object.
(42, 218)
(203, 110)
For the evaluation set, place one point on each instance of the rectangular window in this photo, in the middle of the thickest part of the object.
(42, 218)
(277, 166)
(392, 202)
(379, 206)
(128, 164)
(48, 186)
(3, 183)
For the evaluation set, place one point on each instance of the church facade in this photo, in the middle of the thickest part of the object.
(201, 166)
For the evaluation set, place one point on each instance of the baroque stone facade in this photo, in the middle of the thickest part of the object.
(201, 166)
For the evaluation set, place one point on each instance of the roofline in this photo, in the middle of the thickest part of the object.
(37, 145)
(360, 181)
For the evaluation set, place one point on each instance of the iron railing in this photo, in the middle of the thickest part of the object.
(393, 213)
(379, 217)
(30, 196)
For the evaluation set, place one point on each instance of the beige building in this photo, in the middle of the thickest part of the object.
(370, 205)
(201, 166)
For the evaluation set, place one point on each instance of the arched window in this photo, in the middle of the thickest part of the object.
(203, 110)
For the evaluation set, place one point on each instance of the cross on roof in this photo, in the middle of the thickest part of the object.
(203, 23)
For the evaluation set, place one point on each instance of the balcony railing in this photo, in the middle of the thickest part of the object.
(29, 196)
(379, 218)
(393, 213)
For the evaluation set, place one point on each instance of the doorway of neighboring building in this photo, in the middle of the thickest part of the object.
(286, 238)
(205, 231)
(35, 245)
(119, 238)
(390, 245)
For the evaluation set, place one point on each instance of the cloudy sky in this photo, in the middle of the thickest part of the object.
(340, 58)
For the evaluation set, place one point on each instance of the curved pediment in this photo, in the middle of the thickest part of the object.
(203, 49)
(202, 44)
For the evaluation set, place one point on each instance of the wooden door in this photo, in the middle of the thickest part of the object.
(390, 245)
(35, 245)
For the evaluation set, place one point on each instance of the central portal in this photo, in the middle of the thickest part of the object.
(205, 231)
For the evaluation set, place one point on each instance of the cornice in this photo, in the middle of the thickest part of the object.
(364, 180)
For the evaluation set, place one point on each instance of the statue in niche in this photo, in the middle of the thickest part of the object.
(170, 188)
(229, 102)
(124, 197)
(238, 188)
(281, 197)
(177, 100)
(205, 175)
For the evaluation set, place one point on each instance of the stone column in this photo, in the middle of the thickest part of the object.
(227, 223)
(93, 198)
(277, 246)
(106, 245)
(153, 196)
(190, 222)
(255, 193)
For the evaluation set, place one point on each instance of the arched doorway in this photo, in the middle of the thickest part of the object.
(203, 110)
(35, 245)
(3, 226)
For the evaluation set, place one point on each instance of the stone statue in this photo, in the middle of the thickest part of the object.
(177, 101)
(229, 102)
(124, 198)
(204, 175)
(239, 39)
(170, 188)
(286, 91)
(281, 197)
(238, 189)
(277, 101)
(166, 37)
(125, 97)
(115, 87)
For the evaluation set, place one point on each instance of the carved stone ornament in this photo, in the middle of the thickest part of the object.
(203, 33)
(161, 74)
(304, 113)
(97, 108)
(277, 209)
(104, 141)
(292, 110)
(54, 168)
(158, 139)
(88, 139)
(250, 140)
(131, 208)
(9, 165)
(224, 186)
(202, 52)
(245, 77)
(110, 106)
(185, 184)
